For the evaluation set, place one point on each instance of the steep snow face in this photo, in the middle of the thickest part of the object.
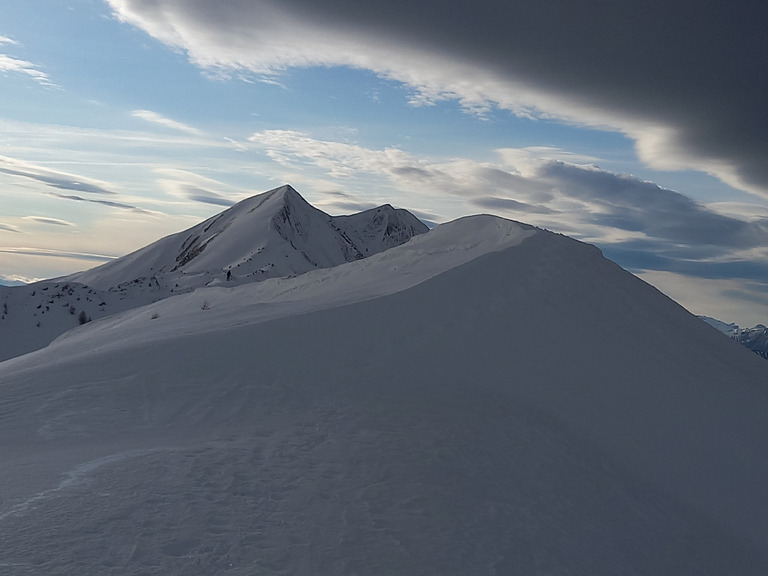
(275, 234)
(495, 417)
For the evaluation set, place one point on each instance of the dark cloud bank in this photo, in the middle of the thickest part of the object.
(696, 69)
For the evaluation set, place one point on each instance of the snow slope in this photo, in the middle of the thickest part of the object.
(492, 415)
(33, 315)
(274, 234)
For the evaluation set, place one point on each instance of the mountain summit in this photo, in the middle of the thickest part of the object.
(274, 234)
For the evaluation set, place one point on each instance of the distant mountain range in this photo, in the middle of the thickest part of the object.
(755, 338)
(364, 396)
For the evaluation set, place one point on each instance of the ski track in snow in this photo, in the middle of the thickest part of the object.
(76, 476)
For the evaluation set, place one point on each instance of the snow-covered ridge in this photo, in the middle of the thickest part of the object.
(271, 235)
(222, 307)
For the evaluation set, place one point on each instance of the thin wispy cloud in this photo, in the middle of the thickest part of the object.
(510, 205)
(10, 64)
(191, 186)
(207, 197)
(48, 221)
(53, 178)
(339, 159)
(672, 75)
(88, 146)
(161, 120)
(15, 65)
(9, 228)
(48, 252)
(109, 203)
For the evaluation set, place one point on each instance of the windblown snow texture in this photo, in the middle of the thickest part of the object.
(487, 398)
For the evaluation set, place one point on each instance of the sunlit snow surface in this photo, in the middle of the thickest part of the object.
(485, 399)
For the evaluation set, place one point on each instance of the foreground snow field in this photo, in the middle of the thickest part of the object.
(487, 398)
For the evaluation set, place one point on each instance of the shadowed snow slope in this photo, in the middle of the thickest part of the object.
(528, 408)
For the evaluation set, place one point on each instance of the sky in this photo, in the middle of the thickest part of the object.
(639, 127)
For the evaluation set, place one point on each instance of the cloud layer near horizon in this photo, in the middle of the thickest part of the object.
(620, 212)
(53, 178)
(684, 79)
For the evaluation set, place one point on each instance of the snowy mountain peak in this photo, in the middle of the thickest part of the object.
(271, 235)
(277, 233)
(379, 228)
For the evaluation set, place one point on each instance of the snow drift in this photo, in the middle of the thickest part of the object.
(487, 398)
